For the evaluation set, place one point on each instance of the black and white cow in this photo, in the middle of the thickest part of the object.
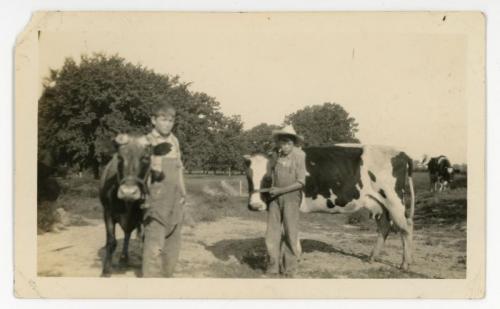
(440, 172)
(345, 178)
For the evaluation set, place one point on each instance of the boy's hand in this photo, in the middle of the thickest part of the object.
(274, 191)
(157, 176)
(183, 200)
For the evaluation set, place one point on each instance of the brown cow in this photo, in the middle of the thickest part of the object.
(123, 190)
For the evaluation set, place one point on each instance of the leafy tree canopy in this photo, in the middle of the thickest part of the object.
(258, 139)
(323, 125)
(84, 105)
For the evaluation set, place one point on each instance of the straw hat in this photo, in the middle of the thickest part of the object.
(287, 131)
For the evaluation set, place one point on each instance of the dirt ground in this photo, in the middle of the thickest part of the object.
(222, 239)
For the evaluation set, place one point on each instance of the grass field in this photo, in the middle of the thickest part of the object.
(222, 238)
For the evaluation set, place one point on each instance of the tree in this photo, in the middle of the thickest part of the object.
(83, 106)
(258, 139)
(195, 129)
(323, 125)
(226, 145)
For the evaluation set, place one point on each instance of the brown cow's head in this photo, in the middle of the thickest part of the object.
(134, 163)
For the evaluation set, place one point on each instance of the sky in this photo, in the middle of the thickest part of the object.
(405, 89)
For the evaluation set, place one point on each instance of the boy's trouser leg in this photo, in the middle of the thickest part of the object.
(154, 239)
(171, 249)
(291, 229)
(273, 236)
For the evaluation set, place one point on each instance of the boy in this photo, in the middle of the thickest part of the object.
(163, 216)
(288, 174)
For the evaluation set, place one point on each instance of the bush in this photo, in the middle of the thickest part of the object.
(46, 216)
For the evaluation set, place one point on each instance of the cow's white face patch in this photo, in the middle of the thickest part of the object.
(259, 170)
(450, 170)
(258, 166)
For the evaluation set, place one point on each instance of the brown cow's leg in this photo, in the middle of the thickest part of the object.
(124, 256)
(110, 244)
(383, 229)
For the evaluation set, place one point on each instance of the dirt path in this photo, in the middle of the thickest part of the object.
(234, 247)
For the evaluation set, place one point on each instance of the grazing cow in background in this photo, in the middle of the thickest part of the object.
(440, 172)
(344, 178)
(123, 189)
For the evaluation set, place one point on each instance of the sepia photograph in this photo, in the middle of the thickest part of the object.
(266, 146)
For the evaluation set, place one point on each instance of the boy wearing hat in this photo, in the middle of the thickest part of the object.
(288, 176)
(164, 213)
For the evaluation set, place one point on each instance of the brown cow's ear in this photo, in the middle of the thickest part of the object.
(119, 140)
(162, 149)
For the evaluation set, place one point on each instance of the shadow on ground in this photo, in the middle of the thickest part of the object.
(252, 251)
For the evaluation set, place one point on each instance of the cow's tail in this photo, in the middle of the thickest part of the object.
(412, 190)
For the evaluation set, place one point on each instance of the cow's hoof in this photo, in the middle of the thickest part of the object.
(404, 266)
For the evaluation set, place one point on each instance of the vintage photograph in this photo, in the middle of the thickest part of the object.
(252, 153)
(256, 146)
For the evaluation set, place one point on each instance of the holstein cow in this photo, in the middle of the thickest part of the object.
(344, 178)
(123, 189)
(440, 172)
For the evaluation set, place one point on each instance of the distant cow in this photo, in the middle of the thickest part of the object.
(123, 189)
(345, 178)
(440, 173)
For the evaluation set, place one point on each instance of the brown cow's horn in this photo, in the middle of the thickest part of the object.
(122, 139)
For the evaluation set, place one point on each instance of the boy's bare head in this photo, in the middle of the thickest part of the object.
(163, 118)
(163, 109)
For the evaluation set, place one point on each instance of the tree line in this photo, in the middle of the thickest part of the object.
(84, 105)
